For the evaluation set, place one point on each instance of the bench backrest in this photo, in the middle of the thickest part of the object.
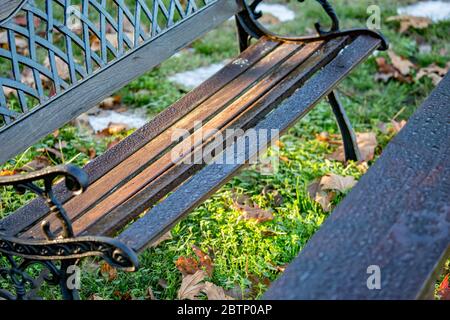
(59, 58)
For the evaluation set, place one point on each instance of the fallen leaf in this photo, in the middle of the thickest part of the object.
(387, 71)
(403, 65)
(162, 283)
(112, 129)
(187, 265)
(38, 163)
(123, 296)
(111, 102)
(434, 72)
(150, 294)
(444, 288)
(407, 22)
(323, 136)
(192, 285)
(20, 42)
(366, 141)
(107, 271)
(214, 292)
(95, 297)
(4, 173)
(320, 196)
(269, 19)
(205, 260)
(257, 282)
(61, 67)
(56, 153)
(362, 167)
(398, 125)
(336, 182)
(253, 213)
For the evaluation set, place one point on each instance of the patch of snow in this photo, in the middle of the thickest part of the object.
(103, 119)
(279, 11)
(434, 10)
(193, 78)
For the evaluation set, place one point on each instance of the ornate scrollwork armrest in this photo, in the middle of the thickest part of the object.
(325, 5)
(251, 28)
(76, 180)
(58, 253)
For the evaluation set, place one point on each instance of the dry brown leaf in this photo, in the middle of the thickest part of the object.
(321, 197)
(367, 142)
(95, 297)
(61, 67)
(123, 296)
(403, 65)
(38, 163)
(434, 72)
(387, 71)
(407, 22)
(187, 265)
(164, 237)
(205, 260)
(150, 294)
(336, 182)
(111, 102)
(162, 283)
(107, 271)
(112, 129)
(192, 285)
(269, 19)
(253, 213)
(362, 167)
(214, 292)
(323, 136)
(398, 125)
(392, 127)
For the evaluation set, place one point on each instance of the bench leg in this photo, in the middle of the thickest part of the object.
(348, 135)
(243, 36)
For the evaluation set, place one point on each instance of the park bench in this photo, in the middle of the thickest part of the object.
(274, 82)
(397, 219)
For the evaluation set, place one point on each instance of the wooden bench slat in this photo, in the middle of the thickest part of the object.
(167, 213)
(220, 122)
(397, 218)
(30, 214)
(153, 192)
(126, 170)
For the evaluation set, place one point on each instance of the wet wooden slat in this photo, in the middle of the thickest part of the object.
(153, 149)
(198, 188)
(219, 122)
(37, 209)
(151, 193)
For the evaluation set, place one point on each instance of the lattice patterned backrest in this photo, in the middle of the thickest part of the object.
(50, 46)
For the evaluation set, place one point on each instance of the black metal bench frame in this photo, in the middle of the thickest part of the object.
(59, 251)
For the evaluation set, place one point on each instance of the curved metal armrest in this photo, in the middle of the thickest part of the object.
(76, 179)
(249, 16)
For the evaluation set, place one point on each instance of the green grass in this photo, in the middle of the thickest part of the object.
(243, 250)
